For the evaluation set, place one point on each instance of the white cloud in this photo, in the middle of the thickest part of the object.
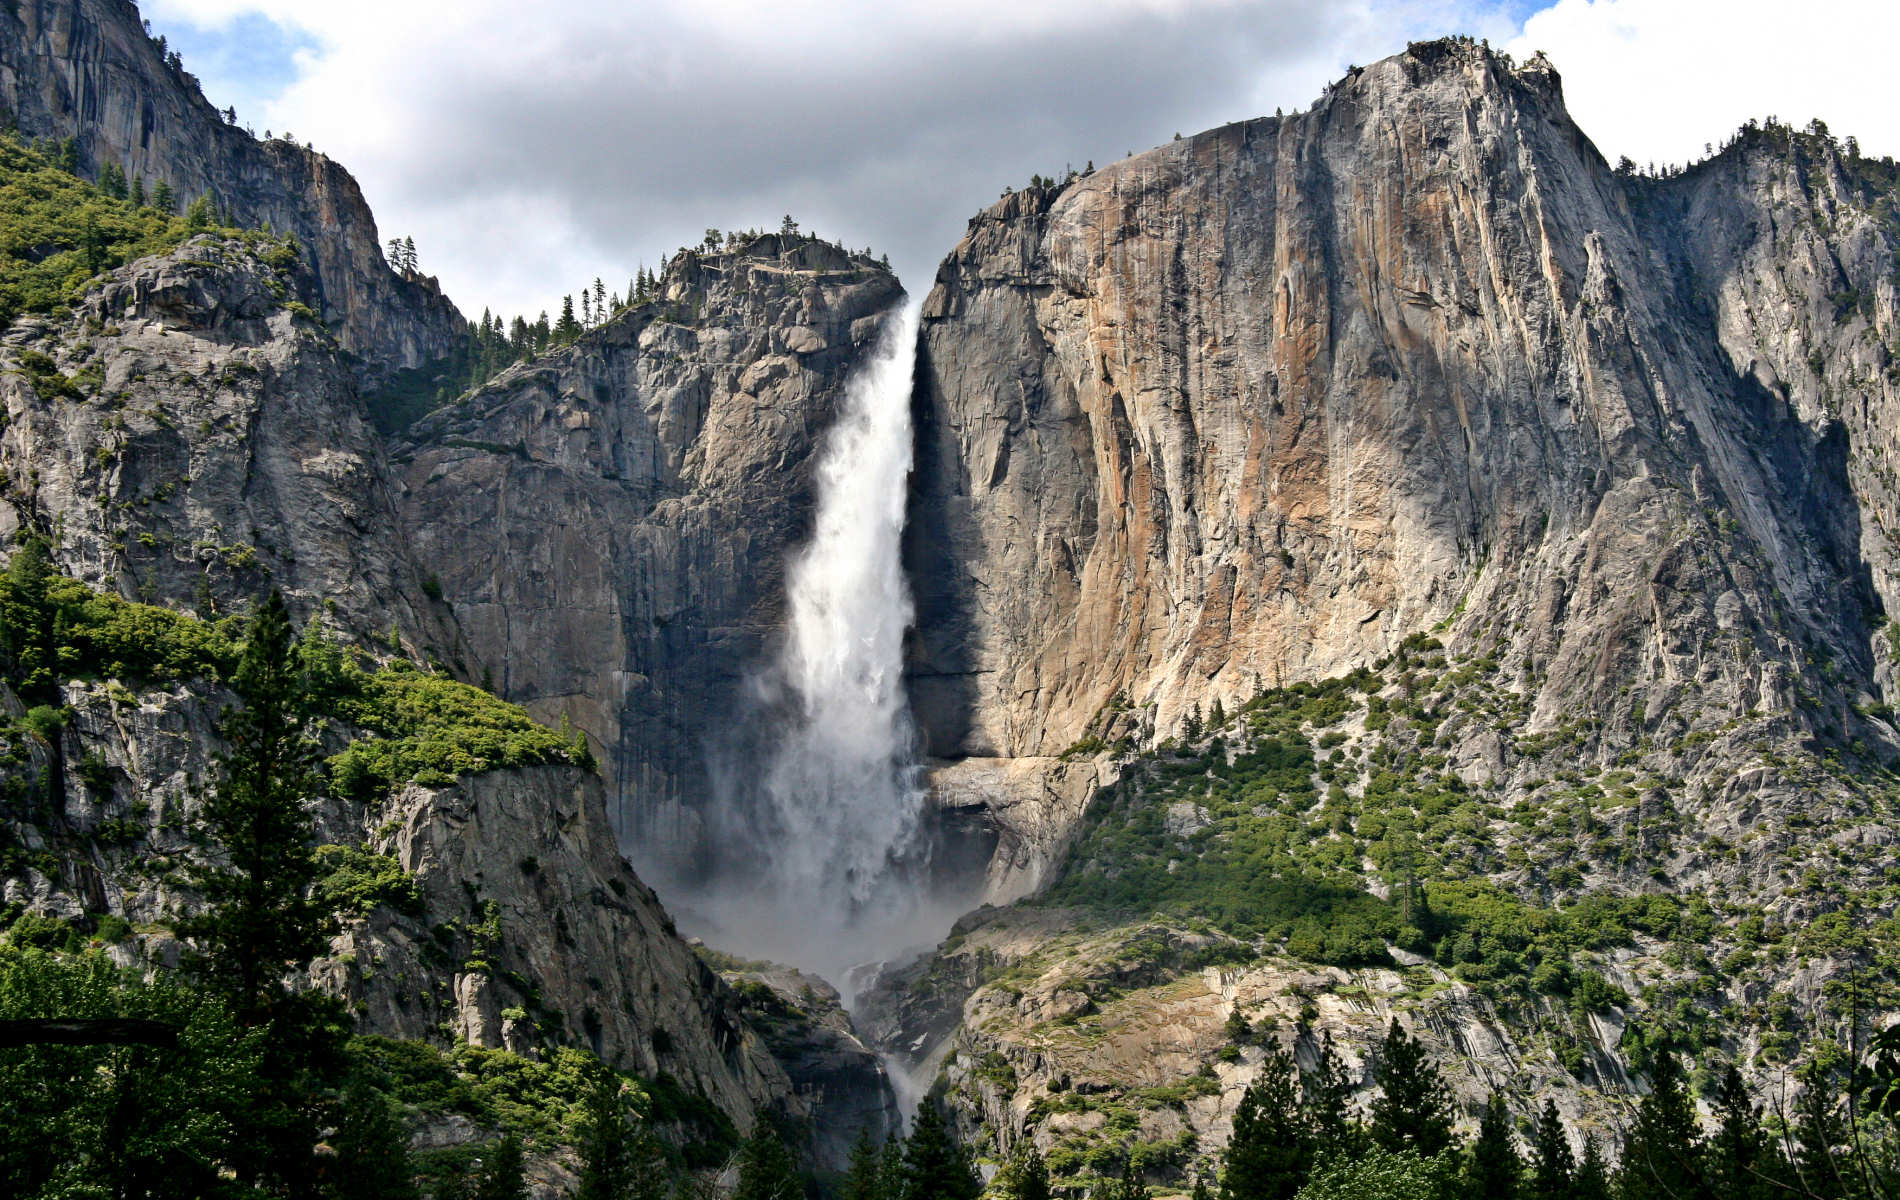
(530, 148)
(1658, 79)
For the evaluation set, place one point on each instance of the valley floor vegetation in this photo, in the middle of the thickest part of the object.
(1298, 1136)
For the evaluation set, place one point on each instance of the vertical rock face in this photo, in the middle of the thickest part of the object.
(611, 524)
(1252, 407)
(188, 439)
(213, 446)
(85, 69)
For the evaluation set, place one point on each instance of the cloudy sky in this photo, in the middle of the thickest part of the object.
(530, 147)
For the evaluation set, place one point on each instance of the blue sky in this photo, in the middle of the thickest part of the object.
(529, 148)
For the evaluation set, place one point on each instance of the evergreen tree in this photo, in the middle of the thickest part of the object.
(606, 1144)
(1326, 1100)
(766, 1170)
(600, 301)
(587, 310)
(1413, 1108)
(1270, 1153)
(371, 1147)
(1820, 1136)
(29, 624)
(504, 1173)
(261, 919)
(1739, 1152)
(1131, 1185)
(454, 1180)
(1025, 1176)
(1662, 1155)
(1552, 1164)
(1217, 715)
(566, 329)
(138, 191)
(1192, 728)
(408, 253)
(163, 199)
(1591, 1181)
(864, 1178)
(935, 1166)
(112, 181)
(1493, 1171)
(198, 213)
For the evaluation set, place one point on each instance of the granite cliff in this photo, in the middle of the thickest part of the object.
(89, 72)
(213, 445)
(638, 497)
(1399, 494)
(1255, 406)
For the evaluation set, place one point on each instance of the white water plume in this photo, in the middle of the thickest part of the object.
(824, 812)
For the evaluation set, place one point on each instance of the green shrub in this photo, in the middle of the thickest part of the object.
(357, 881)
(58, 231)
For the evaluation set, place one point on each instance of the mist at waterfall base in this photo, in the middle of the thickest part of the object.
(821, 847)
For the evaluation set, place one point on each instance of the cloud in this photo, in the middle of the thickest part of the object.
(1659, 79)
(530, 148)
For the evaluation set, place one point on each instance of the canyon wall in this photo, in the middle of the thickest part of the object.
(612, 524)
(1253, 407)
(86, 70)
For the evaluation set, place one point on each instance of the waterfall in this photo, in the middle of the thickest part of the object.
(821, 816)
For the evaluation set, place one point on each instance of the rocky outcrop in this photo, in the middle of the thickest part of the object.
(531, 929)
(86, 70)
(841, 1082)
(581, 950)
(1070, 1035)
(1253, 407)
(611, 523)
(191, 437)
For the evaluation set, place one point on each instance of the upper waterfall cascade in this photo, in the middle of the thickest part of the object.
(823, 821)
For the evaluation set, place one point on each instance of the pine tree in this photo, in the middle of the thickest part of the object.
(409, 254)
(1662, 1154)
(1591, 1180)
(1413, 1108)
(1217, 715)
(1025, 1176)
(566, 329)
(1551, 1162)
(29, 624)
(935, 1166)
(890, 1167)
(454, 1180)
(198, 213)
(1819, 1132)
(1131, 1185)
(611, 1159)
(371, 1150)
(504, 1173)
(600, 301)
(1739, 1151)
(1494, 1171)
(864, 1179)
(261, 919)
(1326, 1100)
(163, 198)
(766, 1170)
(1270, 1153)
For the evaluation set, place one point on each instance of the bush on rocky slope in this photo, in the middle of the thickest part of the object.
(58, 232)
